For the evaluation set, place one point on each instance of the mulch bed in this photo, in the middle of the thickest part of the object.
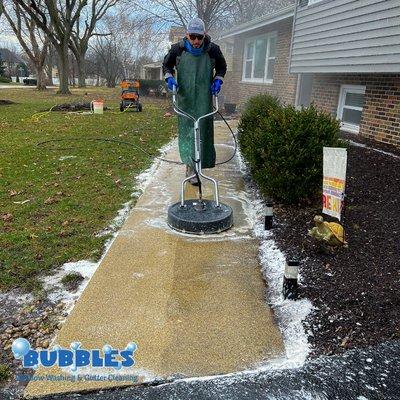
(355, 290)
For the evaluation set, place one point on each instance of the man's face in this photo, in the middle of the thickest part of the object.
(195, 39)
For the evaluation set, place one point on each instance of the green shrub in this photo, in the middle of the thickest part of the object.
(283, 147)
(258, 110)
(147, 84)
(4, 79)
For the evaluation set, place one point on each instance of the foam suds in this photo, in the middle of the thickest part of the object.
(289, 313)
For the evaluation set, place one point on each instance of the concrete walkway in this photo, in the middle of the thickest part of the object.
(194, 305)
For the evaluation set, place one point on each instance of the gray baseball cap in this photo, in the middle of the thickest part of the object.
(196, 25)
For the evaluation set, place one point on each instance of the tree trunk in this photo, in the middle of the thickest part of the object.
(49, 69)
(49, 78)
(41, 78)
(63, 70)
(111, 82)
(81, 70)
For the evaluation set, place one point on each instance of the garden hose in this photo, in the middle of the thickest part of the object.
(36, 117)
(101, 139)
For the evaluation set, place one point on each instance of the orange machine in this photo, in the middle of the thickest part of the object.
(130, 95)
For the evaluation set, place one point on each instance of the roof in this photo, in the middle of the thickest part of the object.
(265, 20)
(157, 64)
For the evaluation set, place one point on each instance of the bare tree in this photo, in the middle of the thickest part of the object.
(57, 20)
(107, 58)
(50, 60)
(131, 40)
(85, 29)
(29, 37)
(246, 10)
(172, 11)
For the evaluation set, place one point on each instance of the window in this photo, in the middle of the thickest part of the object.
(259, 59)
(350, 108)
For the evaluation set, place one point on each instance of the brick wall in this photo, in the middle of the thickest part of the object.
(381, 115)
(283, 85)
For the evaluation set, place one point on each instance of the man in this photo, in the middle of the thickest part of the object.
(200, 67)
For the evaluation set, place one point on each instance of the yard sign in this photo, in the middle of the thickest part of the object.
(335, 162)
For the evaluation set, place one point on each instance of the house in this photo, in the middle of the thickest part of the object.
(347, 56)
(259, 62)
(152, 71)
(13, 64)
(341, 55)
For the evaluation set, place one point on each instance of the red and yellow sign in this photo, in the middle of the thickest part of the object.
(335, 163)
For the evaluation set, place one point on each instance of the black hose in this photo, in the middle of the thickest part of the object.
(101, 139)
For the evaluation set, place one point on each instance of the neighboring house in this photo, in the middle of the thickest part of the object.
(260, 59)
(347, 55)
(152, 71)
(12, 62)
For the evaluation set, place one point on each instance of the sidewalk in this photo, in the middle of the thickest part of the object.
(194, 305)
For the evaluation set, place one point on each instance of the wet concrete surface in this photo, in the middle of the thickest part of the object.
(370, 374)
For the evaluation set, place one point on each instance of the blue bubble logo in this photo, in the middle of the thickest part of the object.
(75, 345)
(107, 349)
(131, 346)
(20, 347)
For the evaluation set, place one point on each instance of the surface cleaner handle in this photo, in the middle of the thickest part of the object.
(177, 109)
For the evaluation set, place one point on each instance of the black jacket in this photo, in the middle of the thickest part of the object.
(217, 59)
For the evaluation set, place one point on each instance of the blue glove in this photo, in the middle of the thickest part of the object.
(171, 82)
(216, 86)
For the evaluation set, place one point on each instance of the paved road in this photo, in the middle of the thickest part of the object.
(23, 87)
(372, 374)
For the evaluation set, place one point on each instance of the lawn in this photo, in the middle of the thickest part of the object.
(54, 202)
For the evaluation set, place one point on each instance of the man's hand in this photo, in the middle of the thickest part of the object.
(216, 86)
(171, 82)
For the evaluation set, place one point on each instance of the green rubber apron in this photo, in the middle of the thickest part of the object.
(194, 75)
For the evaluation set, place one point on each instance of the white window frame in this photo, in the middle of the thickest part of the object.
(344, 89)
(253, 39)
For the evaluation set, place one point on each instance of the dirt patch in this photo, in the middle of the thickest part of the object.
(6, 102)
(354, 289)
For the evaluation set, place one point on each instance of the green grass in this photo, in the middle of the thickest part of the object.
(69, 200)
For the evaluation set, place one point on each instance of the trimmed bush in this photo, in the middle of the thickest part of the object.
(283, 147)
(4, 79)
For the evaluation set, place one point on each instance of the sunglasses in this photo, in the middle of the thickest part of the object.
(194, 36)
